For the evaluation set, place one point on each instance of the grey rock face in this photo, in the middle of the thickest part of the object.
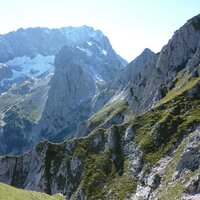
(79, 194)
(129, 135)
(132, 69)
(134, 154)
(190, 159)
(137, 64)
(114, 144)
(180, 52)
(71, 85)
(185, 165)
(193, 186)
(79, 75)
(150, 183)
(40, 171)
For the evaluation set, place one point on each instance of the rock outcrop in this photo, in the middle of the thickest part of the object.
(193, 186)
(137, 65)
(190, 158)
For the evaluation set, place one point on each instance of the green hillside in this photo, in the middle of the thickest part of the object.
(10, 193)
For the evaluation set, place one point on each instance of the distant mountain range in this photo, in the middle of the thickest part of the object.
(33, 107)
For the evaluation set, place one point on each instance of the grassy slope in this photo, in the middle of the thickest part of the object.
(29, 104)
(181, 86)
(11, 193)
(8, 100)
(174, 116)
(117, 107)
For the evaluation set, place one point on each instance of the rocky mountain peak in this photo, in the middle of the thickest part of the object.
(195, 21)
(137, 65)
(44, 41)
(181, 52)
(181, 48)
(143, 58)
(80, 73)
(147, 51)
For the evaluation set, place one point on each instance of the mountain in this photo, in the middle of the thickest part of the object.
(181, 52)
(31, 52)
(44, 41)
(137, 65)
(143, 143)
(33, 96)
(78, 77)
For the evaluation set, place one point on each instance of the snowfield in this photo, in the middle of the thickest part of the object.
(25, 66)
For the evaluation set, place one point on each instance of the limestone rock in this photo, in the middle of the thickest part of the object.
(193, 186)
(181, 51)
(129, 135)
(190, 159)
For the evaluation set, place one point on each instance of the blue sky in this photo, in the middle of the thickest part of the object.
(131, 25)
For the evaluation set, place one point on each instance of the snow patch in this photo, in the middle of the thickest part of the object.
(89, 43)
(25, 66)
(82, 49)
(3, 93)
(96, 77)
(2, 65)
(104, 52)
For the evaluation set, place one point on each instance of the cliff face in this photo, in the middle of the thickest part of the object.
(181, 52)
(20, 110)
(80, 73)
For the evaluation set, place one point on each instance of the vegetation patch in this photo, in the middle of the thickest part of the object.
(55, 154)
(158, 130)
(109, 111)
(121, 187)
(181, 86)
(11, 193)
